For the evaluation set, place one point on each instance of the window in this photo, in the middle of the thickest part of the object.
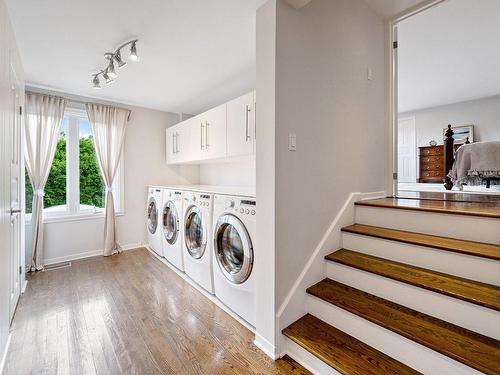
(75, 185)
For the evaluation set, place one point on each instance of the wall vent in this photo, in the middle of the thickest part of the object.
(56, 266)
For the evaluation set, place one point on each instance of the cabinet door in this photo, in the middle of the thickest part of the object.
(178, 145)
(215, 133)
(241, 125)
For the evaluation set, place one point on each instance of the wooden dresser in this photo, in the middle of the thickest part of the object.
(431, 163)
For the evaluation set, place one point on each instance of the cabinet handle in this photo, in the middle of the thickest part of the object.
(247, 133)
(176, 142)
(201, 135)
(207, 136)
(255, 121)
(173, 143)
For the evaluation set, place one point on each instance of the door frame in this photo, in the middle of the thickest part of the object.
(392, 56)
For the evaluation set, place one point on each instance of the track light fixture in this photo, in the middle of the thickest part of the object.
(109, 72)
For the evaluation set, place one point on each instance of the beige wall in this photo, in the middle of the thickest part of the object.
(144, 164)
(483, 113)
(9, 56)
(323, 95)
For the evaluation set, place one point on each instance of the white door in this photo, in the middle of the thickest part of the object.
(16, 184)
(215, 145)
(407, 150)
(241, 125)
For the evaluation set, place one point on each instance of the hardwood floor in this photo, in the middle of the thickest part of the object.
(128, 314)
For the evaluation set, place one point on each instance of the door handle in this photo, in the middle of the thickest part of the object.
(247, 133)
(14, 211)
(207, 135)
(201, 135)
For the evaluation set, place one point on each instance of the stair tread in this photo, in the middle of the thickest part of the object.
(289, 366)
(468, 290)
(484, 250)
(471, 348)
(483, 209)
(341, 351)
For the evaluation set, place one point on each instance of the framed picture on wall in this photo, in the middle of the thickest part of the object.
(460, 133)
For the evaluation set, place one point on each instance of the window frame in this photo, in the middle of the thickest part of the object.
(73, 210)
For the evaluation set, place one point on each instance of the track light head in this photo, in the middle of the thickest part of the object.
(111, 69)
(133, 52)
(108, 79)
(95, 82)
(119, 61)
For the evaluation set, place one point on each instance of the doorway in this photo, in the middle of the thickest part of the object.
(442, 76)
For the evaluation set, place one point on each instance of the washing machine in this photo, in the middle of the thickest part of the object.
(197, 233)
(155, 199)
(234, 254)
(171, 220)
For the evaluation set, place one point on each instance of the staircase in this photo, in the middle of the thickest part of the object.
(415, 288)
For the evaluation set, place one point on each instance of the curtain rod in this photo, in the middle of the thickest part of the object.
(70, 100)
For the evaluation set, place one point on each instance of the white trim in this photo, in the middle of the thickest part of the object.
(269, 349)
(211, 297)
(87, 254)
(333, 226)
(23, 288)
(5, 353)
(73, 217)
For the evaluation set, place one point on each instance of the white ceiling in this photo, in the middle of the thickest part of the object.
(449, 53)
(194, 54)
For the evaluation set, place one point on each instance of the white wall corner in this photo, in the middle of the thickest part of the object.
(293, 307)
(268, 348)
(297, 4)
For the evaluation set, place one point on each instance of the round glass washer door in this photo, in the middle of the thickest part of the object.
(233, 249)
(170, 222)
(152, 215)
(195, 233)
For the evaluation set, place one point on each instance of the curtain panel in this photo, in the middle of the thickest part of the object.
(43, 117)
(108, 129)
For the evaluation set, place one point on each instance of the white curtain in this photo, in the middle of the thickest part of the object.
(108, 128)
(43, 116)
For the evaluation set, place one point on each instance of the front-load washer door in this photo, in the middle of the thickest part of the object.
(152, 215)
(170, 222)
(195, 233)
(233, 249)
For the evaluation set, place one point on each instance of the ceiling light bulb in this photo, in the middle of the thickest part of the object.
(119, 61)
(133, 52)
(107, 78)
(95, 82)
(111, 69)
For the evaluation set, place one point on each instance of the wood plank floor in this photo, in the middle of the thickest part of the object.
(128, 314)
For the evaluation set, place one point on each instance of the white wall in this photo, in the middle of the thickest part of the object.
(323, 95)
(483, 113)
(144, 164)
(239, 172)
(8, 55)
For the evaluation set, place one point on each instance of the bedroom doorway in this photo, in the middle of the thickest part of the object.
(442, 77)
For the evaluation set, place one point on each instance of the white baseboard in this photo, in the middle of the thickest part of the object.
(5, 354)
(23, 288)
(269, 349)
(208, 295)
(88, 254)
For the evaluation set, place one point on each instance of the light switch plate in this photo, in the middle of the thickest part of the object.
(292, 142)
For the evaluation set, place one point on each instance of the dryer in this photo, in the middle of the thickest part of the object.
(171, 220)
(234, 254)
(197, 244)
(155, 198)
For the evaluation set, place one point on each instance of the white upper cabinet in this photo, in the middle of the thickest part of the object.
(241, 125)
(224, 131)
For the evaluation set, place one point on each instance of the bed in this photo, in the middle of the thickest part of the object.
(472, 164)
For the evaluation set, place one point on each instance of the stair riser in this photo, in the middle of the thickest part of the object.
(412, 354)
(467, 266)
(306, 359)
(447, 225)
(461, 313)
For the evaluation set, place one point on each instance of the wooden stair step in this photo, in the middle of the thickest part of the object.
(472, 349)
(341, 351)
(289, 366)
(467, 290)
(483, 209)
(480, 249)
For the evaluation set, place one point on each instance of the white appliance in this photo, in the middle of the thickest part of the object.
(171, 220)
(155, 199)
(197, 244)
(234, 254)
